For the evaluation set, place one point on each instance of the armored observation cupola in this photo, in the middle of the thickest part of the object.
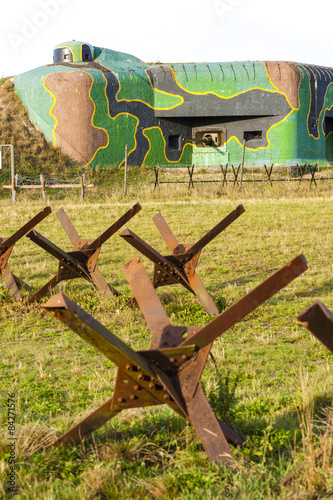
(73, 51)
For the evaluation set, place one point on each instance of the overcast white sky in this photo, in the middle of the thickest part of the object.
(170, 31)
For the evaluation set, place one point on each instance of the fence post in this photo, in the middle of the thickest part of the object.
(243, 156)
(156, 184)
(190, 173)
(224, 173)
(42, 181)
(12, 160)
(83, 179)
(14, 184)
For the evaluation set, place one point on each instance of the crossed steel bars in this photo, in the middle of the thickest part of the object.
(170, 371)
(82, 261)
(13, 283)
(319, 321)
(179, 268)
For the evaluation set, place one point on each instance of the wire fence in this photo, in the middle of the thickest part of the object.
(46, 182)
(211, 166)
(236, 175)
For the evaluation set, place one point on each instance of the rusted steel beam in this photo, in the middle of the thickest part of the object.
(165, 231)
(98, 242)
(82, 261)
(221, 226)
(26, 228)
(68, 228)
(170, 268)
(95, 334)
(319, 321)
(65, 258)
(179, 268)
(151, 308)
(204, 336)
(208, 429)
(11, 283)
(88, 425)
(53, 282)
(134, 364)
(6, 247)
(248, 303)
(170, 371)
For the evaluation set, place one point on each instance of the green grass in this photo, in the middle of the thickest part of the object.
(271, 380)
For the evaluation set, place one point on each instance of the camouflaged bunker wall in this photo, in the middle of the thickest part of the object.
(92, 101)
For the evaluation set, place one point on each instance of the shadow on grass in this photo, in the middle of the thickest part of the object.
(327, 286)
(243, 280)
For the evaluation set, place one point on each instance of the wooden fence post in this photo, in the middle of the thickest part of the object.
(12, 160)
(14, 184)
(42, 182)
(83, 178)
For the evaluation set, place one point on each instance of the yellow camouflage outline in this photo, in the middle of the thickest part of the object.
(267, 132)
(81, 45)
(231, 97)
(122, 113)
(164, 92)
(140, 100)
(307, 117)
(50, 111)
(92, 116)
(214, 93)
(279, 91)
(67, 47)
(182, 100)
(325, 109)
(165, 156)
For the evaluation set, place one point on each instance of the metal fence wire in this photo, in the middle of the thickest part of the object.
(44, 182)
(236, 175)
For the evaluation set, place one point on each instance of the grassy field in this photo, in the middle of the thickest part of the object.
(271, 380)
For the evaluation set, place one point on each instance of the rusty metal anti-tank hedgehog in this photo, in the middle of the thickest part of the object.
(318, 319)
(179, 268)
(81, 262)
(13, 283)
(169, 371)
